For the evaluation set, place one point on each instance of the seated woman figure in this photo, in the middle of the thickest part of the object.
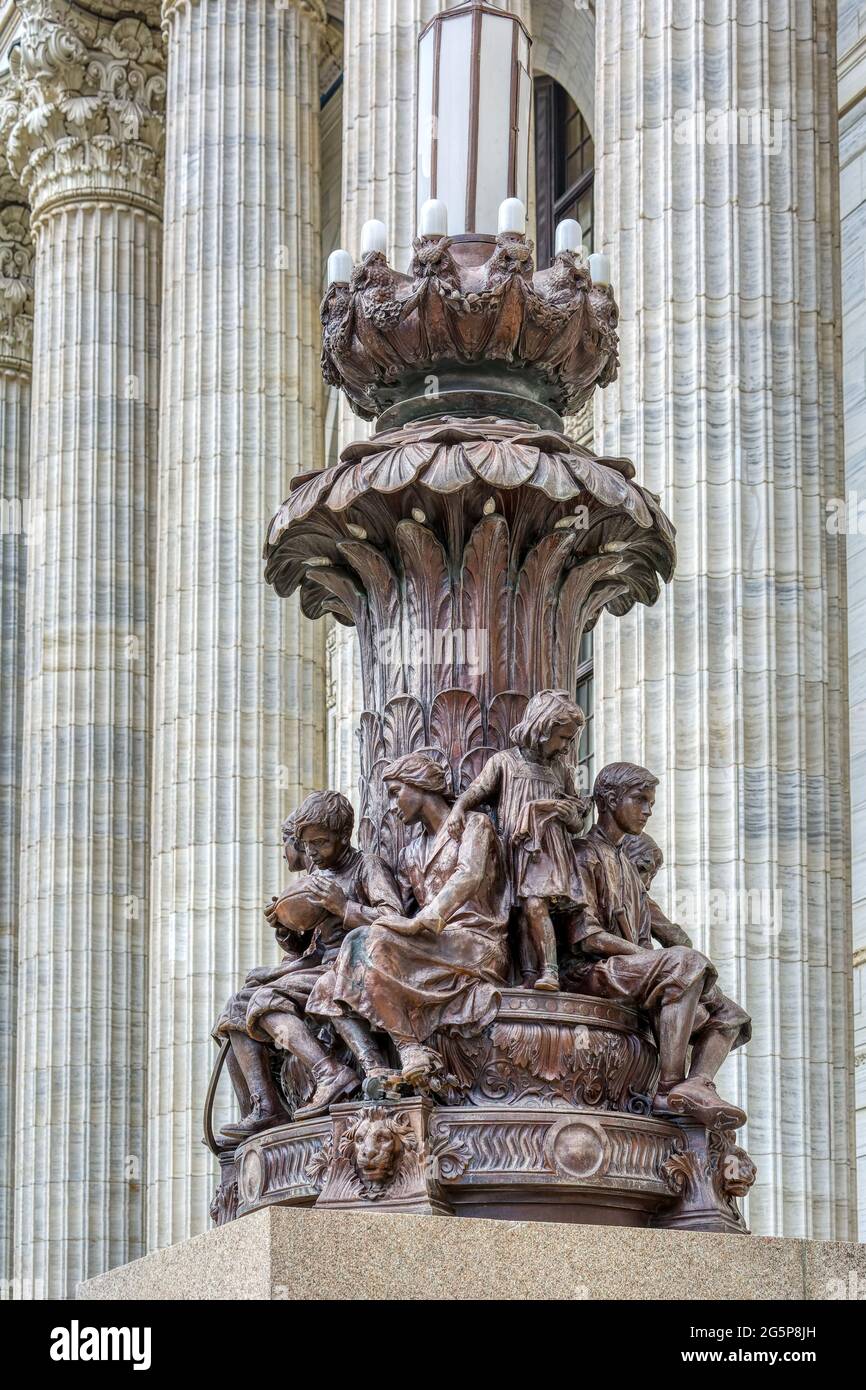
(438, 968)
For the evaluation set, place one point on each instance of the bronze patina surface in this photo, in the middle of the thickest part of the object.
(480, 1009)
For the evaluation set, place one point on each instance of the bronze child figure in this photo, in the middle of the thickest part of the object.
(676, 985)
(647, 858)
(538, 810)
(342, 889)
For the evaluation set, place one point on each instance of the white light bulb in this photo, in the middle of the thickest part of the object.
(374, 237)
(512, 217)
(433, 220)
(340, 267)
(569, 235)
(599, 268)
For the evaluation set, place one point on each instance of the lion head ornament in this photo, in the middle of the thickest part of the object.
(374, 1144)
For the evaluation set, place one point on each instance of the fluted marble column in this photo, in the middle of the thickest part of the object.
(84, 136)
(240, 700)
(379, 98)
(723, 229)
(16, 342)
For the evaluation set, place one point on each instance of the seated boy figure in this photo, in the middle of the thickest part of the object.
(343, 889)
(615, 958)
(647, 858)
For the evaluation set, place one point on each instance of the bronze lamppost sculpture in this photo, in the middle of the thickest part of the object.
(479, 1022)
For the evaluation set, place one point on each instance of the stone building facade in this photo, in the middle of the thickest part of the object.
(171, 182)
(852, 158)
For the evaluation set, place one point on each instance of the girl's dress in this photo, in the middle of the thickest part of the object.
(539, 847)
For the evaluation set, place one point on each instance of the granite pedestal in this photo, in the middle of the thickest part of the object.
(297, 1254)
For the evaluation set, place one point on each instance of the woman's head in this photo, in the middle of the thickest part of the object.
(551, 723)
(413, 778)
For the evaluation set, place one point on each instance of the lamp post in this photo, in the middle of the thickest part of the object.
(472, 544)
(467, 364)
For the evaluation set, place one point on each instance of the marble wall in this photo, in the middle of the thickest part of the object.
(94, 189)
(239, 675)
(717, 198)
(19, 529)
(852, 159)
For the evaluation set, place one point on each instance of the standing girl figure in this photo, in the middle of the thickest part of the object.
(538, 811)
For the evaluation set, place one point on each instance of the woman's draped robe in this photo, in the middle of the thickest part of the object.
(446, 980)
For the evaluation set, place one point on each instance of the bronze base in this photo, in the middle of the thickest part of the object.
(545, 1117)
(577, 1165)
(571, 1208)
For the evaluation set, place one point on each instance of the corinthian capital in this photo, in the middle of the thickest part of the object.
(84, 116)
(16, 286)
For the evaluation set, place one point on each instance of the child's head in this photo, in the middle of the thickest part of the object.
(551, 723)
(627, 793)
(644, 854)
(323, 827)
(292, 849)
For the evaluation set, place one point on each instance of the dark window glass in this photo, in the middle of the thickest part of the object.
(586, 699)
(564, 160)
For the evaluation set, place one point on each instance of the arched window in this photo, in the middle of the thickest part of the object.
(564, 158)
(564, 166)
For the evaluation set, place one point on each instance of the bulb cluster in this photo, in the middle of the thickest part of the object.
(433, 224)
